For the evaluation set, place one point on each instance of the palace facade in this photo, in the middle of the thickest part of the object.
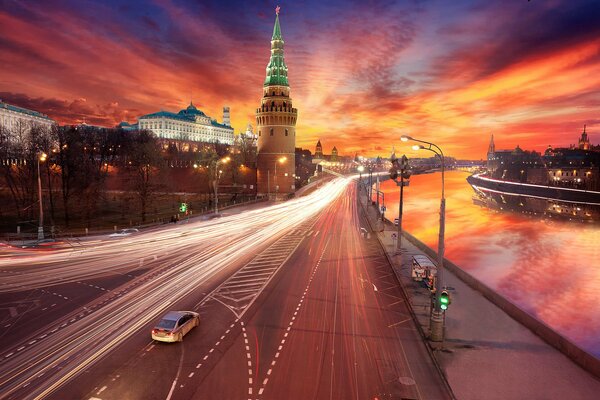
(17, 121)
(188, 125)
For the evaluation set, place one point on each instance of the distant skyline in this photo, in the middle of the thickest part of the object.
(361, 73)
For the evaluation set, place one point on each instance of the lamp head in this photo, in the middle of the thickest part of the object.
(405, 138)
(43, 157)
(417, 147)
(360, 168)
(282, 159)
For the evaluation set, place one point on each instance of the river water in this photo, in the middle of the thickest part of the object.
(549, 267)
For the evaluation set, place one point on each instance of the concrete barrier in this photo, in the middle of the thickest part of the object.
(546, 333)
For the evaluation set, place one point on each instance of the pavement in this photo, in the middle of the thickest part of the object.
(486, 354)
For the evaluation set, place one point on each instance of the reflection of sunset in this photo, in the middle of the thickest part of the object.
(456, 71)
(549, 268)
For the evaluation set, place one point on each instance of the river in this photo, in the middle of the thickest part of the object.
(549, 267)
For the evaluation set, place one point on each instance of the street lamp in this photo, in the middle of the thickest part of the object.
(437, 319)
(40, 157)
(218, 173)
(360, 169)
(280, 160)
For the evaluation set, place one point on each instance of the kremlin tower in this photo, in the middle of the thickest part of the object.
(276, 125)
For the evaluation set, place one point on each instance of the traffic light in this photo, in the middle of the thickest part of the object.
(183, 207)
(444, 300)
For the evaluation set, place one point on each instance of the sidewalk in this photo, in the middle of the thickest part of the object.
(486, 354)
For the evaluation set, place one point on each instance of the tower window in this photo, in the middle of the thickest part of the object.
(286, 132)
(271, 131)
(259, 133)
(273, 93)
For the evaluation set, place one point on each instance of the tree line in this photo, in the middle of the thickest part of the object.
(80, 158)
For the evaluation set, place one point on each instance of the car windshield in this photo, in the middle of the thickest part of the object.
(166, 324)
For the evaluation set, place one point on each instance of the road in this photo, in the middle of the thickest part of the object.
(294, 303)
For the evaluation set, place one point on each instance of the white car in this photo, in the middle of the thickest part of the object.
(174, 325)
(124, 232)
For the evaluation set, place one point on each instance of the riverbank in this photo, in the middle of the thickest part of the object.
(486, 354)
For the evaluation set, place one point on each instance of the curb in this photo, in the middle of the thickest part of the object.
(410, 308)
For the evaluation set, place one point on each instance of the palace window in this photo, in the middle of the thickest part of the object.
(271, 131)
(286, 132)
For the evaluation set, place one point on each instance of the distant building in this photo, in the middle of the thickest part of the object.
(318, 151)
(584, 142)
(188, 125)
(17, 121)
(333, 158)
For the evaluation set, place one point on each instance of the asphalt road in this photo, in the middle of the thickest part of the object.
(294, 304)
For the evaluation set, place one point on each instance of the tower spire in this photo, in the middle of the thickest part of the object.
(276, 69)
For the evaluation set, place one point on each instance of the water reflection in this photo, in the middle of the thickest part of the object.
(548, 266)
(538, 207)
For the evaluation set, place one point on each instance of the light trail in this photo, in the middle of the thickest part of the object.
(197, 252)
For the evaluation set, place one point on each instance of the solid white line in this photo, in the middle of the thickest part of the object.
(172, 389)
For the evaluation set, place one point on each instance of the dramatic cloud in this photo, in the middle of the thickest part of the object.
(361, 73)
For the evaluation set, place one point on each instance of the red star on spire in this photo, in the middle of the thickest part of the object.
(277, 10)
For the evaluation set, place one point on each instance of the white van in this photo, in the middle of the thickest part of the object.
(423, 270)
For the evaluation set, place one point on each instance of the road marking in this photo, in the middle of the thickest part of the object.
(398, 323)
(150, 348)
(211, 350)
(101, 390)
(198, 366)
(20, 348)
(269, 371)
(190, 375)
(261, 390)
(218, 343)
(205, 357)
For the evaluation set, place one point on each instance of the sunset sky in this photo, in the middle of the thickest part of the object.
(362, 73)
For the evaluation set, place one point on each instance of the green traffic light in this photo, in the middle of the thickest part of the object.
(444, 300)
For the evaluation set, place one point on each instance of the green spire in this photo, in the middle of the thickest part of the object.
(277, 29)
(276, 69)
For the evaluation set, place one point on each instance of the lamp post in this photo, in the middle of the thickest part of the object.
(40, 157)
(437, 316)
(400, 169)
(280, 160)
(218, 173)
(360, 169)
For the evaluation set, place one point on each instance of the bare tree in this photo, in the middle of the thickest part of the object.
(144, 162)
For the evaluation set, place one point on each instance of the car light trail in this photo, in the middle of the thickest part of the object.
(196, 252)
